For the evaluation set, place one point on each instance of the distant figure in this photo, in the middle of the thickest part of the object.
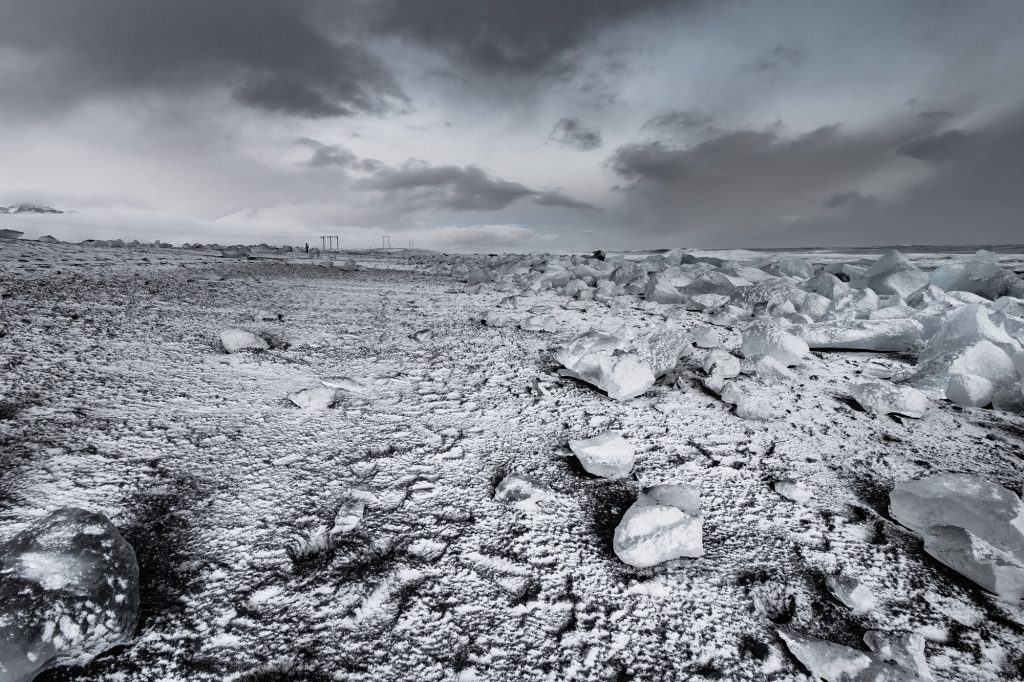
(307, 248)
(599, 255)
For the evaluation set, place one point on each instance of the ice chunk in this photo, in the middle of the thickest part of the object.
(522, 492)
(970, 390)
(650, 534)
(707, 337)
(607, 455)
(837, 663)
(877, 335)
(980, 275)
(607, 362)
(851, 593)
(235, 339)
(789, 267)
(662, 349)
(319, 398)
(722, 363)
(987, 509)
(905, 649)
(349, 516)
(998, 570)
(540, 323)
(73, 570)
(892, 274)
(878, 397)
(764, 337)
(660, 290)
(793, 490)
(827, 285)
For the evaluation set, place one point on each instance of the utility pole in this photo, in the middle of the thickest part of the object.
(385, 238)
(411, 242)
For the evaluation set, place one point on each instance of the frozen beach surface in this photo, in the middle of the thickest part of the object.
(392, 476)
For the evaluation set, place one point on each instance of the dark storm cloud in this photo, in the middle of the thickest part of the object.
(421, 186)
(560, 200)
(325, 155)
(520, 37)
(938, 147)
(676, 123)
(780, 56)
(270, 53)
(758, 187)
(572, 133)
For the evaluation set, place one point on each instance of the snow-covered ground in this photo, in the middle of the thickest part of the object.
(118, 398)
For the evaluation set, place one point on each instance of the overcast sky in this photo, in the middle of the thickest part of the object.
(534, 125)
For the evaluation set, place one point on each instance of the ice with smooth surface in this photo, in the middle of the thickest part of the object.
(838, 663)
(607, 362)
(990, 548)
(970, 390)
(607, 455)
(896, 335)
(852, 593)
(905, 649)
(892, 274)
(882, 397)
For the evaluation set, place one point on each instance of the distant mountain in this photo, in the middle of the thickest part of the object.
(27, 208)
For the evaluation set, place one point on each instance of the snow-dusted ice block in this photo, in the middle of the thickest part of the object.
(522, 492)
(764, 337)
(905, 649)
(650, 534)
(235, 339)
(970, 390)
(319, 398)
(880, 397)
(997, 570)
(607, 455)
(69, 590)
(899, 335)
(852, 593)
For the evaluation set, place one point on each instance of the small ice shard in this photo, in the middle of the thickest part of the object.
(833, 662)
(423, 335)
(540, 323)
(349, 516)
(851, 593)
(607, 455)
(319, 398)
(707, 337)
(650, 534)
(268, 316)
(69, 590)
(897, 335)
(764, 337)
(971, 525)
(970, 390)
(749, 405)
(522, 492)
(770, 369)
(235, 339)
(344, 383)
(892, 274)
(607, 362)
(905, 649)
(793, 490)
(880, 398)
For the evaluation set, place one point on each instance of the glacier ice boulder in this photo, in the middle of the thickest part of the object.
(881, 397)
(69, 590)
(664, 523)
(607, 455)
